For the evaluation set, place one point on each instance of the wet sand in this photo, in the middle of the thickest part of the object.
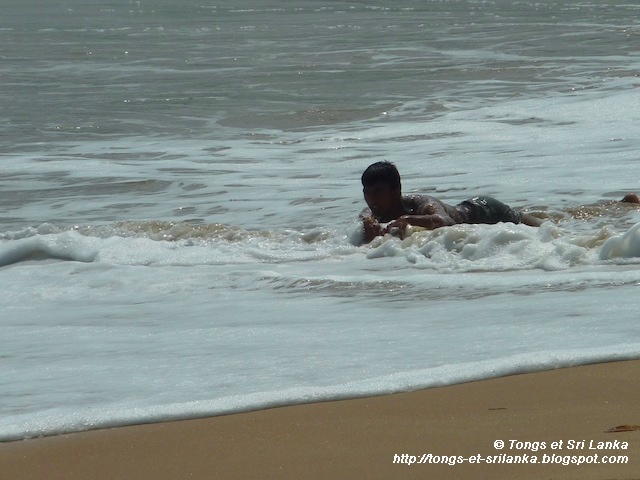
(555, 416)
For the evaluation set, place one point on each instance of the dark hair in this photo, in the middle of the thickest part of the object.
(382, 172)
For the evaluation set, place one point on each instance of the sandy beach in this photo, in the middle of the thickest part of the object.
(569, 420)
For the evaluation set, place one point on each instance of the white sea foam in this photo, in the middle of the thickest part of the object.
(622, 246)
(57, 420)
(460, 248)
(136, 304)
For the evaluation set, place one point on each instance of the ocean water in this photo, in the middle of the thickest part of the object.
(180, 183)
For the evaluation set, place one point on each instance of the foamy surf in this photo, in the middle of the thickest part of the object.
(58, 420)
(157, 243)
(460, 248)
(468, 248)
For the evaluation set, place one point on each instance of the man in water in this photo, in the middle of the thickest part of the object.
(383, 194)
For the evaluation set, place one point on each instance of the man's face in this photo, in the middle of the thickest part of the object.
(381, 199)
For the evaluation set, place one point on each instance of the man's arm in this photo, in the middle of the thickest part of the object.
(430, 222)
(430, 214)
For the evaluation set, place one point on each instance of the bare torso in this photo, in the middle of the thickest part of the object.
(428, 205)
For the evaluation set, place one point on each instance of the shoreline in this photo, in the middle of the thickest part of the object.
(574, 415)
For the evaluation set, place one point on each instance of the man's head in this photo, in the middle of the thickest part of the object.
(382, 172)
(382, 190)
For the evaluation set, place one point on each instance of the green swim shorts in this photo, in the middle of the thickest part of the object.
(488, 210)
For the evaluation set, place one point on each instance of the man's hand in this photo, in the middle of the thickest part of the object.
(398, 226)
(372, 228)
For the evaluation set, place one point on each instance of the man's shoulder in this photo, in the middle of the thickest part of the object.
(420, 200)
(425, 204)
